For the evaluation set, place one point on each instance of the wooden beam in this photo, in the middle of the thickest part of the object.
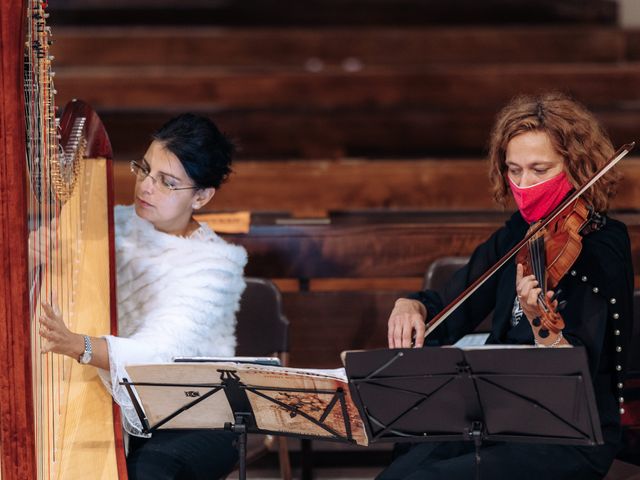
(316, 187)
(449, 88)
(322, 47)
(354, 132)
(324, 323)
(374, 250)
(332, 12)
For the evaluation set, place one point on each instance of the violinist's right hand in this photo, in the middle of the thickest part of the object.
(406, 323)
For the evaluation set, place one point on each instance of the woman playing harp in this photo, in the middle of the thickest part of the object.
(179, 286)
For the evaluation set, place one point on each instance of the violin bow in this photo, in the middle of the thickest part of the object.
(460, 299)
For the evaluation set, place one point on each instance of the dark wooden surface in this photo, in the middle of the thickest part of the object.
(316, 187)
(343, 251)
(332, 12)
(432, 87)
(375, 250)
(343, 47)
(325, 323)
(369, 132)
(338, 91)
(375, 111)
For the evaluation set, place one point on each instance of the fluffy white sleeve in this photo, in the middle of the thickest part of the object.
(126, 351)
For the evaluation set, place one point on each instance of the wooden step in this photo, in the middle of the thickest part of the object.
(376, 250)
(351, 49)
(324, 323)
(315, 188)
(448, 88)
(332, 12)
(446, 110)
(353, 132)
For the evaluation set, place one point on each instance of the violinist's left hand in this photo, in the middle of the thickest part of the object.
(528, 290)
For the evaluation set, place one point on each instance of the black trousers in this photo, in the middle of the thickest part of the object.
(182, 455)
(456, 460)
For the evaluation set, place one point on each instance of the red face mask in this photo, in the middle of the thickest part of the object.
(539, 200)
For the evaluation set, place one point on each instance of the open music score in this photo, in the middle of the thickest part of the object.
(284, 401)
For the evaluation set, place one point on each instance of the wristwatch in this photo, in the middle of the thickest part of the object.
(87, 354)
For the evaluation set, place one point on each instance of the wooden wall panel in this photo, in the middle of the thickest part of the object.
(334, 46)
(334, 12)
(314, 188)
(297, 132)
(326, 322)
(431, 87)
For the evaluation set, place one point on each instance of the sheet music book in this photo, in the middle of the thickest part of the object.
(286, 400)
(274, 361)
(176, 386)
(472, 340)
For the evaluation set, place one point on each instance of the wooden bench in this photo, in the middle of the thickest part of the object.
(432, 87)
(332, 12)
(338, 91)
(339, 280)
(338, 46)
(317, 187)
(386, 110)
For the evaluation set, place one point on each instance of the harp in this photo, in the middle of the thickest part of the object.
(56, 235)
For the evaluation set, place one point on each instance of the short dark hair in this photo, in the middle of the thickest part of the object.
(204, 151)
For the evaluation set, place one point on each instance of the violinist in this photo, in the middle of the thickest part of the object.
(541, 148)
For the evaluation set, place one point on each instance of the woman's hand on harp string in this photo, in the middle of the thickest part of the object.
(42, 243)
(57, 338)
(406, 324)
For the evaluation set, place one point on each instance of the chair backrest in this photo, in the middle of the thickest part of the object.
(441, 270)
(261, 329)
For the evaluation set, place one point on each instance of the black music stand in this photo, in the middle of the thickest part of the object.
(213, 396)
(497, 394)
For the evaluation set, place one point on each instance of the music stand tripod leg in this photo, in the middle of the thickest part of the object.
(476, 435)
(240, 428)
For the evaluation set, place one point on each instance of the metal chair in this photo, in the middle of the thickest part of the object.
(263, 330)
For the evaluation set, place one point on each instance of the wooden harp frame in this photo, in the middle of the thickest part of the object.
(18, 453)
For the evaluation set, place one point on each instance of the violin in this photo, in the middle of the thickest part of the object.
(549, 254)
(553, 245)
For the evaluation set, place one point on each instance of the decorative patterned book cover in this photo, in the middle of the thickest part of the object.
(302, 402)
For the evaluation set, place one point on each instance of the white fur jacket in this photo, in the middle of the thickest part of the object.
(176, 297)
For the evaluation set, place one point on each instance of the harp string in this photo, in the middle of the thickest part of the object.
(55, 240)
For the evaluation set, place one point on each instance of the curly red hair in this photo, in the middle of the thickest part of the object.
(574, 133)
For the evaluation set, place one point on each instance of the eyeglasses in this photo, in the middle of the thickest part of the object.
(163, 184)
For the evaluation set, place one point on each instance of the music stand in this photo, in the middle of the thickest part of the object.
(244, 399)
(497, 394)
